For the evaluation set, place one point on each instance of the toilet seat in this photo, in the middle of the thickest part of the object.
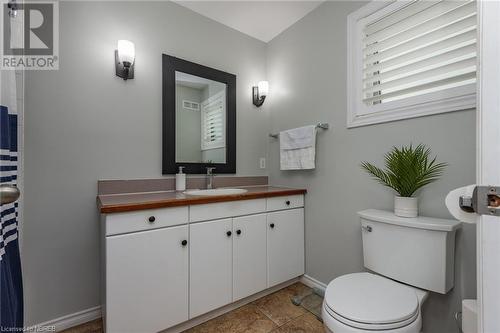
(371, 302)
(371, 326)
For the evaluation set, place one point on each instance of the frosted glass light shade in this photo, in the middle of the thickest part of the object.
(126, 51)
(263, 88)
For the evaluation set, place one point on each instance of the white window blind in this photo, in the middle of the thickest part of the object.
(405, 56)
(213, 122)
(413, 53)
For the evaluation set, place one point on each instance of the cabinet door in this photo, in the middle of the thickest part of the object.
(285, 245)
(249, 255)
(210, 266)
(146, 280)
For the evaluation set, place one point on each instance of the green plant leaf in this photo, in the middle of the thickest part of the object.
(407, 169)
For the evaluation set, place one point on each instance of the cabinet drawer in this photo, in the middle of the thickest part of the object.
(226, 209)
(120, 223)
(286, 202)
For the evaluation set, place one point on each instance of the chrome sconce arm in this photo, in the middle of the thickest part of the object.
(257, 100)
(259, 93)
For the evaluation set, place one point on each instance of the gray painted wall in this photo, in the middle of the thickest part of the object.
(307, 75)
(83, 124)
(187, 125)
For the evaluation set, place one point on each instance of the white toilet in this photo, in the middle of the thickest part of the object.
(412, 255)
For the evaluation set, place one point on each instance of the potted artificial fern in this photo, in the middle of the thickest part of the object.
(407, 169)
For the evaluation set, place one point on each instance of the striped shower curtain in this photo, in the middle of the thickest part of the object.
(11, 288)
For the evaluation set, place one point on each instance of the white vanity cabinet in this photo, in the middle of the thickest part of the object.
(249, 255)
(285, 245)
(166, 266)
(147, 280)
(210, 266)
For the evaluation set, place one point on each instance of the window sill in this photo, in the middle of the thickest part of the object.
(457, 103)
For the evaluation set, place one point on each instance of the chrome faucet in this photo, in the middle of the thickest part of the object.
(210, 178)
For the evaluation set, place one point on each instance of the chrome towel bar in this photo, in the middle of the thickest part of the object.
(324, 126)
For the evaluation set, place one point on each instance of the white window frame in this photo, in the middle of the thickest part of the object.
(360, 114)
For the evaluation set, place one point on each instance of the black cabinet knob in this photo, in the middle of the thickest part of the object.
(151, 219)
(287, 202)
(184, 242)
(272, 225)
(238, 232)
(229, 233)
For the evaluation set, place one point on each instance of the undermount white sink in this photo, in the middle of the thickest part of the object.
(216, 191)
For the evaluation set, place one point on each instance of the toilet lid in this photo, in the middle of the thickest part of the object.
(371, 299)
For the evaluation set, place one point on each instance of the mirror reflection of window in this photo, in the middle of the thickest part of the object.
(200, 119)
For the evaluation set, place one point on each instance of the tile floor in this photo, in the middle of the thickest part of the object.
(273, 313)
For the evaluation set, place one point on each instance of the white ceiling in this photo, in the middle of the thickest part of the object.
(263, 20)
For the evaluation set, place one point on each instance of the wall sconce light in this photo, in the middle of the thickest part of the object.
(124, 59)
(260, 92)
(13, 7)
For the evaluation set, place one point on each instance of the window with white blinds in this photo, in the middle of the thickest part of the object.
(213, 122)
(409, 59)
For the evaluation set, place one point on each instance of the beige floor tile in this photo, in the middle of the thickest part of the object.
(90, 327)
(307, 323)
(247, 319)
(262, 316)
(278, 306)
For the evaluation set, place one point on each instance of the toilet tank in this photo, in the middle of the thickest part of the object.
(417, 251)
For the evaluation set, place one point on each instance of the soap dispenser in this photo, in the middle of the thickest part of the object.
(180, 180)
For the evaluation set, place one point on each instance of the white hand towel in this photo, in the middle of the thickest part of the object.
(298, 148)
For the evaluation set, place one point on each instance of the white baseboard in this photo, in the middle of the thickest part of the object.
(71, 320)
(313, 283)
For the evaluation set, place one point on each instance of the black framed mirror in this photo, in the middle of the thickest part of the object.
(199, 118)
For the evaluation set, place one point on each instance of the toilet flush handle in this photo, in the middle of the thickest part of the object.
(367, 228)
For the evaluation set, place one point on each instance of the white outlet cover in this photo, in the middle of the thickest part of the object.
(262, 162)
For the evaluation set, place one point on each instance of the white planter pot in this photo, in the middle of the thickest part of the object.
(406, 207)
